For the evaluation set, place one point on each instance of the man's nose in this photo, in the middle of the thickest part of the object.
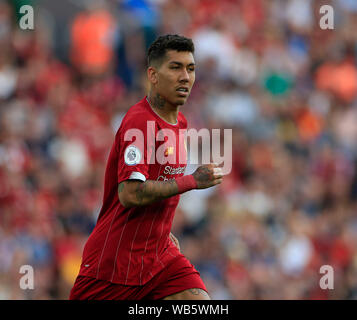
(184, 76)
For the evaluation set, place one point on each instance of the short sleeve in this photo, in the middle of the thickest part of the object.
(135, 144)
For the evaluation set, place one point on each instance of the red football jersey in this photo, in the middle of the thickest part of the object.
(130, 245)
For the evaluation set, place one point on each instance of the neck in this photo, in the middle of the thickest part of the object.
(165, 110)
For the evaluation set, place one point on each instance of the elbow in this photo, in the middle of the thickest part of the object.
(126, 205)
(126, 201)
(128, 196)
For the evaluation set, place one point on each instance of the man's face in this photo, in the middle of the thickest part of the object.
(174, 78)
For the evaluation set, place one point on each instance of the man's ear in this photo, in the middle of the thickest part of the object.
(152, 75)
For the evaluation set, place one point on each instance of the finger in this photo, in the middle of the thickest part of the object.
(211, 165)
(217, 172)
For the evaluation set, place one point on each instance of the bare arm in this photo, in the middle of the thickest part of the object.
(137, 193)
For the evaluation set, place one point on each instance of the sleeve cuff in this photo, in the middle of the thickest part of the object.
(137, 176)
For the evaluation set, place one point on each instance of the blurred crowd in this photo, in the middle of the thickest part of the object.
(265, 69)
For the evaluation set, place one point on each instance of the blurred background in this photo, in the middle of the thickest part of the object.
(264, 69)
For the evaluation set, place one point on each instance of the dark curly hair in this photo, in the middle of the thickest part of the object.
(158, 48)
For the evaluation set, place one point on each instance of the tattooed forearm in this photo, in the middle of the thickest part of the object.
(150, 191)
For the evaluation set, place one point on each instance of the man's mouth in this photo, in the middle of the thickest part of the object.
(183, 91)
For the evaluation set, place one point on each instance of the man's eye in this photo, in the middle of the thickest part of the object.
(174, 67)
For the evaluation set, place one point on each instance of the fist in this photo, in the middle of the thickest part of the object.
(208, 176)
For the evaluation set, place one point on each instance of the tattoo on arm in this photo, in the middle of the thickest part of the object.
(150, 191)
(121, 187)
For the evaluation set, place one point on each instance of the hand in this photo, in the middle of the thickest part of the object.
(208, 175)
(175, 241)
